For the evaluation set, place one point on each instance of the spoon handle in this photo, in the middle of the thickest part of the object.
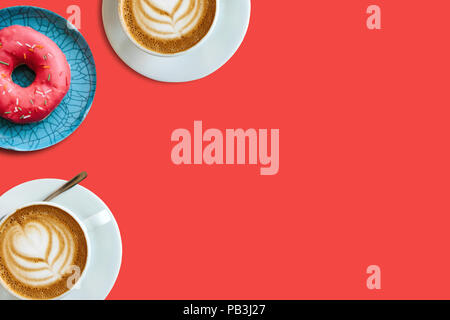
(69, 185)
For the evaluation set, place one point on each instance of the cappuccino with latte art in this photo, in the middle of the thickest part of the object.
(40, 247)
(167, 26)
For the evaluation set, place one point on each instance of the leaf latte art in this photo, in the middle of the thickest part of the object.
(39, 246)
(168, 26)
(39, 252)
(168, 19)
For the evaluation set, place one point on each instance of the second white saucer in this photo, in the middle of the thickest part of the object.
(221, 45)
(106, 242)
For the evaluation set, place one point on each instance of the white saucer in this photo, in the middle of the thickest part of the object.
(221, 45)
(106, 244)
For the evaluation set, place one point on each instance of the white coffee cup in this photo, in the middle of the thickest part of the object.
(200, 43)
(87, 224)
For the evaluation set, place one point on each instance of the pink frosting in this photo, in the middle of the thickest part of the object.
(23, 45)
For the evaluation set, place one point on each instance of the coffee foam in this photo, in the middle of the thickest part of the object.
(168, 19)
(38, 247)
(168, 26)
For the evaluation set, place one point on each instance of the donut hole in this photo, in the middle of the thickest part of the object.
(23, 76)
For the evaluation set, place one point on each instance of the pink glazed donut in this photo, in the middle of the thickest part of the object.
(23, 45)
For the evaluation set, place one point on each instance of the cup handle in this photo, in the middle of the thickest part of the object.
(97, 220)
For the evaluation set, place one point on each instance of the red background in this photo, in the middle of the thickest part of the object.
(364, 175)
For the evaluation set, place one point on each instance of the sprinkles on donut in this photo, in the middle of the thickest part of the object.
(21, 45)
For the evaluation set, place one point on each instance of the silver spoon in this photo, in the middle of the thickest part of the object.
(69, 185)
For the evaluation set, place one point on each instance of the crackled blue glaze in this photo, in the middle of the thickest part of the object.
(69, 115)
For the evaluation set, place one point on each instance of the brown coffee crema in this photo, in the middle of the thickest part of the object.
(41, 247)
(168, 26)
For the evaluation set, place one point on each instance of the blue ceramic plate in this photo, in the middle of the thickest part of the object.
(68, 116)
